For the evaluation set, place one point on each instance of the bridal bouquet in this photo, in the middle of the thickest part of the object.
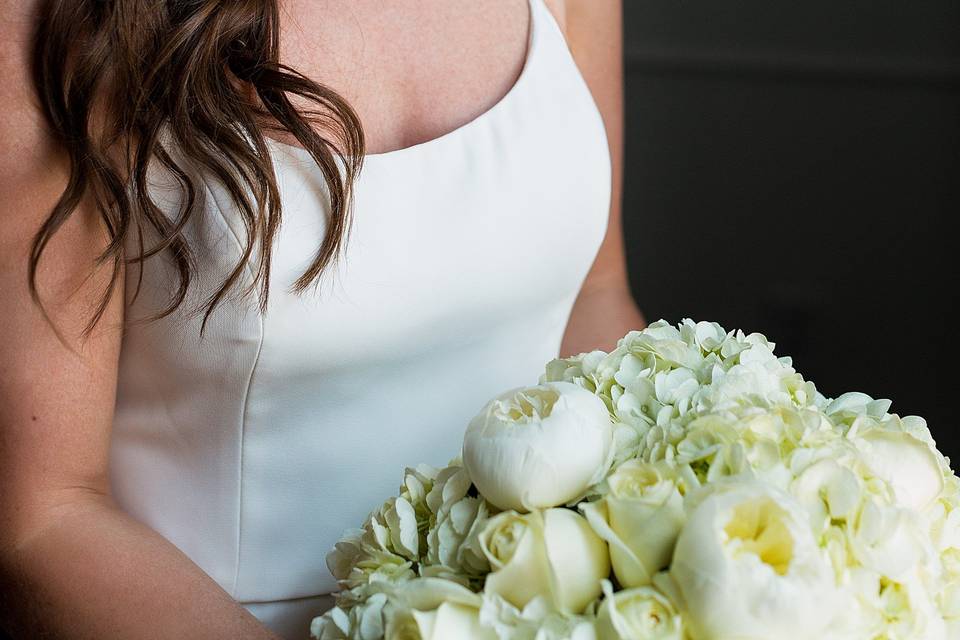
(688, 485)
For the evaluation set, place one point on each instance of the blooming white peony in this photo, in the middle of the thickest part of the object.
(748, 566)
(538, 447)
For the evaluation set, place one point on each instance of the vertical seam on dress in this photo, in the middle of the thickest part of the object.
(246, 399)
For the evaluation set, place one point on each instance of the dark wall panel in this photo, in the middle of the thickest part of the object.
(794, 168)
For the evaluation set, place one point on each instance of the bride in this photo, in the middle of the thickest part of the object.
(255, 255)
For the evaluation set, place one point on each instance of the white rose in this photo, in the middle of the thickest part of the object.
(538, 447)
(449, 620)
(441, 609)
(640, 518)
(553, 554)
(641, 612)
(747, 566)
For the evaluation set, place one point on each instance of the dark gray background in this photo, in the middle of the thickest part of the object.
(790, 168)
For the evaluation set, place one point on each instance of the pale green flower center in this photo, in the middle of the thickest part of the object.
(505, 540)
(528, 405)
(634, 483)
(759, 527)
(894, 601)
(951, 560)
(642, 615)
(403, 627)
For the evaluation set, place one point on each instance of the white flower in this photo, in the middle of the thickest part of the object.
(662, 345)
(909, 465)
(391, 539)
(640, 518)
(453, 549)
(580, 369)
(887, 539)
(639, 613)
(949, 600)
(332, 625)
(828, 492)
(538, 447)
(364, 555)
(705, 445)
(364, 621)
(449, 620)
(421, 609)
(853, 404)
(902, 610)
(759, 378)
(536, 621)
(747, 566)
(709, 336)
(553, 555)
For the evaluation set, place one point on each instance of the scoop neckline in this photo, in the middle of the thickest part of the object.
(499, 105)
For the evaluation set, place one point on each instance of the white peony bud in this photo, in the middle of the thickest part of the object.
(553, 555)
(747, 566)
(538, 447)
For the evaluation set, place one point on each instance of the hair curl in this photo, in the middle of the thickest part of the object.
(115, 77)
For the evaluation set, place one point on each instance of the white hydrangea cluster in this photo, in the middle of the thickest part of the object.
(688, 485)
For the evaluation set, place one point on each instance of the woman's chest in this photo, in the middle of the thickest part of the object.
(412, 69)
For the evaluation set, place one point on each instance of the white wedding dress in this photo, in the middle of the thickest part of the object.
(253, 448)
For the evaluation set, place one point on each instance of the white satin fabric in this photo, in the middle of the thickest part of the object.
(253, 448)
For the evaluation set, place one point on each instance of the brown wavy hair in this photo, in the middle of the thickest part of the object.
(115, 77)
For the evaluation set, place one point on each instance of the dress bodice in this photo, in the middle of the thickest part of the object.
(254, 447)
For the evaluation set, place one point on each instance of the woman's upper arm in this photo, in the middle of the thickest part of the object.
(56, 397)
(594, 33)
